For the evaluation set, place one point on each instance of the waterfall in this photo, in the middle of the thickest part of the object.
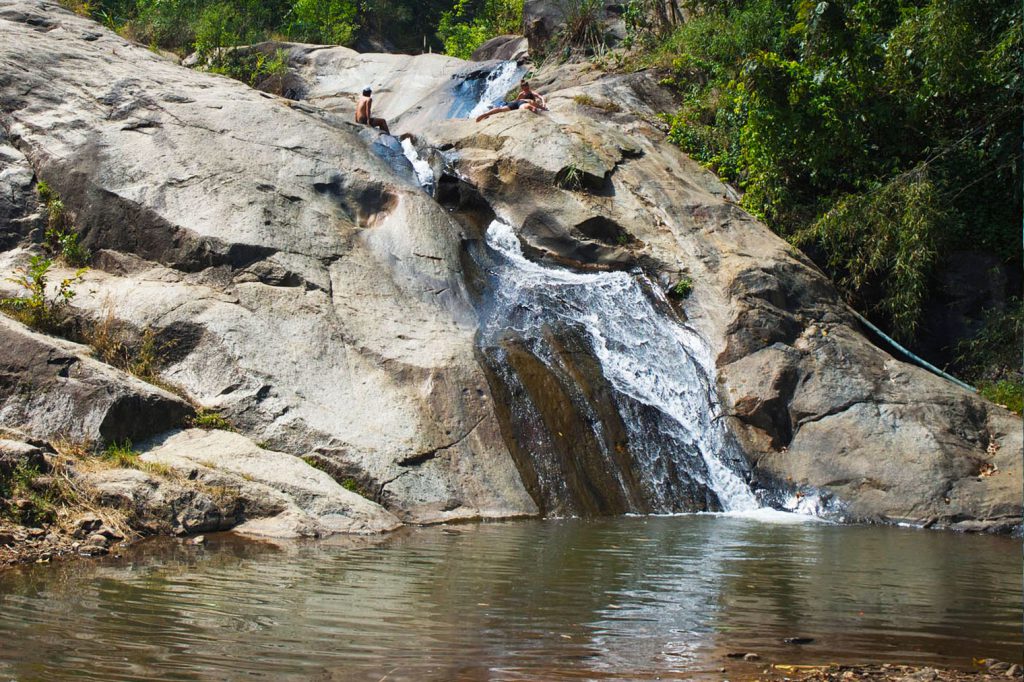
(474, 96)
(660, 373)
(424, 174)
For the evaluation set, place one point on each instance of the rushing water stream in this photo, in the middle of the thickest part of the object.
(675, 453)
(615, 598)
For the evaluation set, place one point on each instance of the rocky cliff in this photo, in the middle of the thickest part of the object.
(307, 288)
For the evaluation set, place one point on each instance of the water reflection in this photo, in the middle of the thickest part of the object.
(633, 598)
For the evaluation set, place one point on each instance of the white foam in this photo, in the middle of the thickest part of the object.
(499, 81)
(643, 354)
(424, 173)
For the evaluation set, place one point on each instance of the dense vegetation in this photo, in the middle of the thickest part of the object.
(207, 26)
(881, 136)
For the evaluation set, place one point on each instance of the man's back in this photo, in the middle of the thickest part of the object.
(363, 109)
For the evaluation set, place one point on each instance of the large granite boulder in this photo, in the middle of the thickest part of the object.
(278, 495)
(310, 294)
(826, 418)
(52, 389)
(325, 303)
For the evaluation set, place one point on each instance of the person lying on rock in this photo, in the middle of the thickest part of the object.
(363, 108)
(510, 105)
(526, 93)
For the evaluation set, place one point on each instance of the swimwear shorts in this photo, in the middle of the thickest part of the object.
(514, 104)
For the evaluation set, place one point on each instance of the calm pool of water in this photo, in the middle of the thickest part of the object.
(624, 598)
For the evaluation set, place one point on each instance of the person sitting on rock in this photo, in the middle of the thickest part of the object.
(526, 93)
(363, 108)
(510, 105)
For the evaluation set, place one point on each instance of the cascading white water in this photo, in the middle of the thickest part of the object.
(499, 81)
(643, 354)
(424, 174)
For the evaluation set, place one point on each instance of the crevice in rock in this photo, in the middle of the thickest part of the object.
(422, 457)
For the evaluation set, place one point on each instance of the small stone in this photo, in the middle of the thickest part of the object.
(922, 675)
(6, 539)
(36, 532)
(798, 640)
(86, 525)
(97, 539)
(198, 540)
(998, 667)
(110, 533)
(1014, 671)
(751, 657)
(93, 550)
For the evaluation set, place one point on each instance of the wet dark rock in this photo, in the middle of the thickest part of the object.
(798, 640)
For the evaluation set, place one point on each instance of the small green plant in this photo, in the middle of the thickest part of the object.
(34, 309)
(121, 455)
(1008, 393)
(210, 420)
(681, 289)
(604, 105)
(61, 237)
(27, 497)
(570, 177)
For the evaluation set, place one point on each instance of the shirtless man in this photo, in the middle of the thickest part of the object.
(510, 105)
(363, 107)
(526, 93)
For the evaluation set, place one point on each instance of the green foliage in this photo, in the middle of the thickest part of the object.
(681, 289)
(993, 356)
(570, 177)
(27, 498)
(209, 419)
(468, 25)
(1009, 394)
(330, 22)
(35, 309)
(253, 68)
(117, 344)
(888, 237)
(879, 135)
(61, 237)
(120, 455)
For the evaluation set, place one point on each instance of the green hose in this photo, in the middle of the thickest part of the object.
(917, 360)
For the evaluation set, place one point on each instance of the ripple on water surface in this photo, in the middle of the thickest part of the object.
(626, 598)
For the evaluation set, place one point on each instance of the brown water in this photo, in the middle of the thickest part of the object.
(624, 598)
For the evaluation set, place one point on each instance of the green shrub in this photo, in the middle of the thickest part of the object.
(681, 289)
(61, 236)
(34, 309)
(209, 419)
(27, 498)
(329, 22)
(1009, 394)
(121, 455)
(462, 32)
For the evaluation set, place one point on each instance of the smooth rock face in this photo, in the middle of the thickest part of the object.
(818, 408)
(278, 495)
(52, 389)
(502, 48)
(309, 294)
(320, 300)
